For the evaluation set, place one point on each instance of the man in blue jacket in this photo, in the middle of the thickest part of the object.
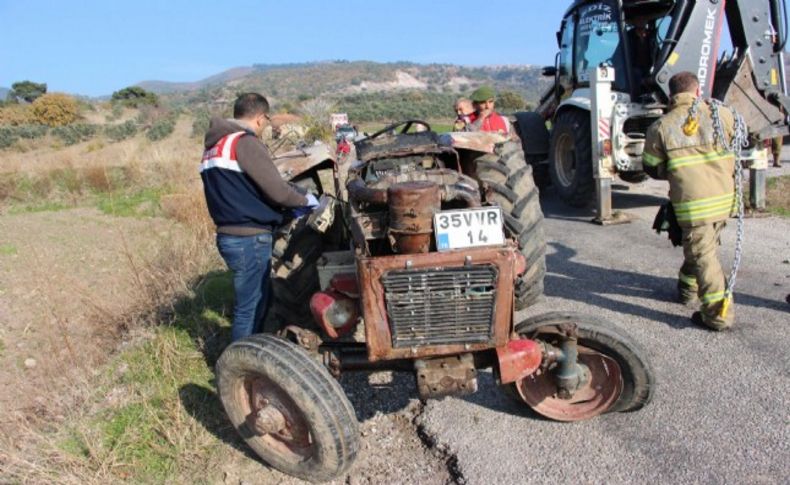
(246, 197)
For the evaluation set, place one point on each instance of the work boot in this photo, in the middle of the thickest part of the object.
(698, 320)
(777, 163)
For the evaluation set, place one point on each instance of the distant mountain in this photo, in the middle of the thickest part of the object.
(284, 83)
(165, 87)
(3, 93)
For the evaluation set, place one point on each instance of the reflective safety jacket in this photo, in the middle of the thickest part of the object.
(700, 172)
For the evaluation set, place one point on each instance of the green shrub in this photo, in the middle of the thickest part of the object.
(72, 134)
(121, 131)
(7, 137)
(31, 132)
(134, 97)
(161, 129)
(200, 125)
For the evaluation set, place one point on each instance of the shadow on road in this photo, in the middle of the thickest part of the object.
(601, 287)
(622, 199)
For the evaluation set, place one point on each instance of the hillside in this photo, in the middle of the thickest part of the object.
(337, 79)
(165, 87)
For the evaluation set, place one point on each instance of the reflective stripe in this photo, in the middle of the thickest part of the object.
(715, 297)
(220, 163)
(681, 206)
(716, 212)
(676, 163)
(222, 155)
(651, 160)
(687, 280)
(695, 210)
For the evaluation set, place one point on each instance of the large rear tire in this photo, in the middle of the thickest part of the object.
(570, 158)
(507, 182)
(295, 252)
(621, 377)
(288, 408)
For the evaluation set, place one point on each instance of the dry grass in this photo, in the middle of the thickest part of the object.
(149, 412)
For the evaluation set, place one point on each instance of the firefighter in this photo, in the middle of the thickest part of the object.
(681, 148)
(776, 150)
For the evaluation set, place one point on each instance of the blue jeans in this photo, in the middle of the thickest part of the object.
(249, 258)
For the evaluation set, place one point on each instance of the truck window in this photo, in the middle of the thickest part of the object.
(598, 41)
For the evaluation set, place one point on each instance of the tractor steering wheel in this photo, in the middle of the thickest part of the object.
(406, 126)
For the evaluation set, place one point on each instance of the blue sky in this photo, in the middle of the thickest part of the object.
(96, 47)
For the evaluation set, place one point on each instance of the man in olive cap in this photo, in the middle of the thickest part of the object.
(485, 118)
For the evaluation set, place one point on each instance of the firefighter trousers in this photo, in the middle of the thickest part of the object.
(701, 273)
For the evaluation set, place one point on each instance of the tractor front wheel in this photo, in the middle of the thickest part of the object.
(617, 375)
(288, 408)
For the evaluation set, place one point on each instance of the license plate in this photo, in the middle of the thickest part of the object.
(468, 228)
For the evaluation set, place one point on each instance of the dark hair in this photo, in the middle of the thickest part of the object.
(683, 82)
(248, 105)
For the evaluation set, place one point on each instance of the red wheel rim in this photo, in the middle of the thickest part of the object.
(596, 396)
(293, 442)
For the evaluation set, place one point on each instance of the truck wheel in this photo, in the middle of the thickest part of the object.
(535, 142)
(507, 182)
(570, 158)
(288, 408)
(295, 250)
(620, 376)
(633, 177)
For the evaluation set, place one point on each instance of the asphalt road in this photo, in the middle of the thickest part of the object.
(721, 410)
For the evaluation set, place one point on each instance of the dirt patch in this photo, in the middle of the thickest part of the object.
(65, 278)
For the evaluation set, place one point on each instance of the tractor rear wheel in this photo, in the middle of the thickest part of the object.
(507, 182)
(295, 252)
(288, 408)
(570, 158)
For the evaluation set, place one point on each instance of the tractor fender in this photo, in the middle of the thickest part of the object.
(296, 162)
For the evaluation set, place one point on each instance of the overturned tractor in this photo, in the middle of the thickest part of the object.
(419, 255)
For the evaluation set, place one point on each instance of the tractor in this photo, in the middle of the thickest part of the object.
(417, 259)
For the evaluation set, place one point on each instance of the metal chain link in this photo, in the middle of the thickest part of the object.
(740, 140)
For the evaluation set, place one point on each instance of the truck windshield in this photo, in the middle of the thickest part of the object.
(598, 41)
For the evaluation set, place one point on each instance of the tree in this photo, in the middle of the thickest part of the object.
(135, 96)
(509, 101)
(316, 115)
(27, 91)
(55, 109)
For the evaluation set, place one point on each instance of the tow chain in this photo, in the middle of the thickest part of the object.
(740, 140)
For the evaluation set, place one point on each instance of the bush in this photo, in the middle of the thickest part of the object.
(73, 134)
(7, 137)
(135, 96)
(161, 129)
(16, 114)
(55, 109)
(121, 131)
(31, 132)
(200, 124)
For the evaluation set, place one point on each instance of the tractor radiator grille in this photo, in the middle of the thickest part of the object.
(441, 305)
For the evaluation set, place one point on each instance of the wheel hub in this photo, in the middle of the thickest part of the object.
(598, 391)
(566, 160)
(268, 420)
